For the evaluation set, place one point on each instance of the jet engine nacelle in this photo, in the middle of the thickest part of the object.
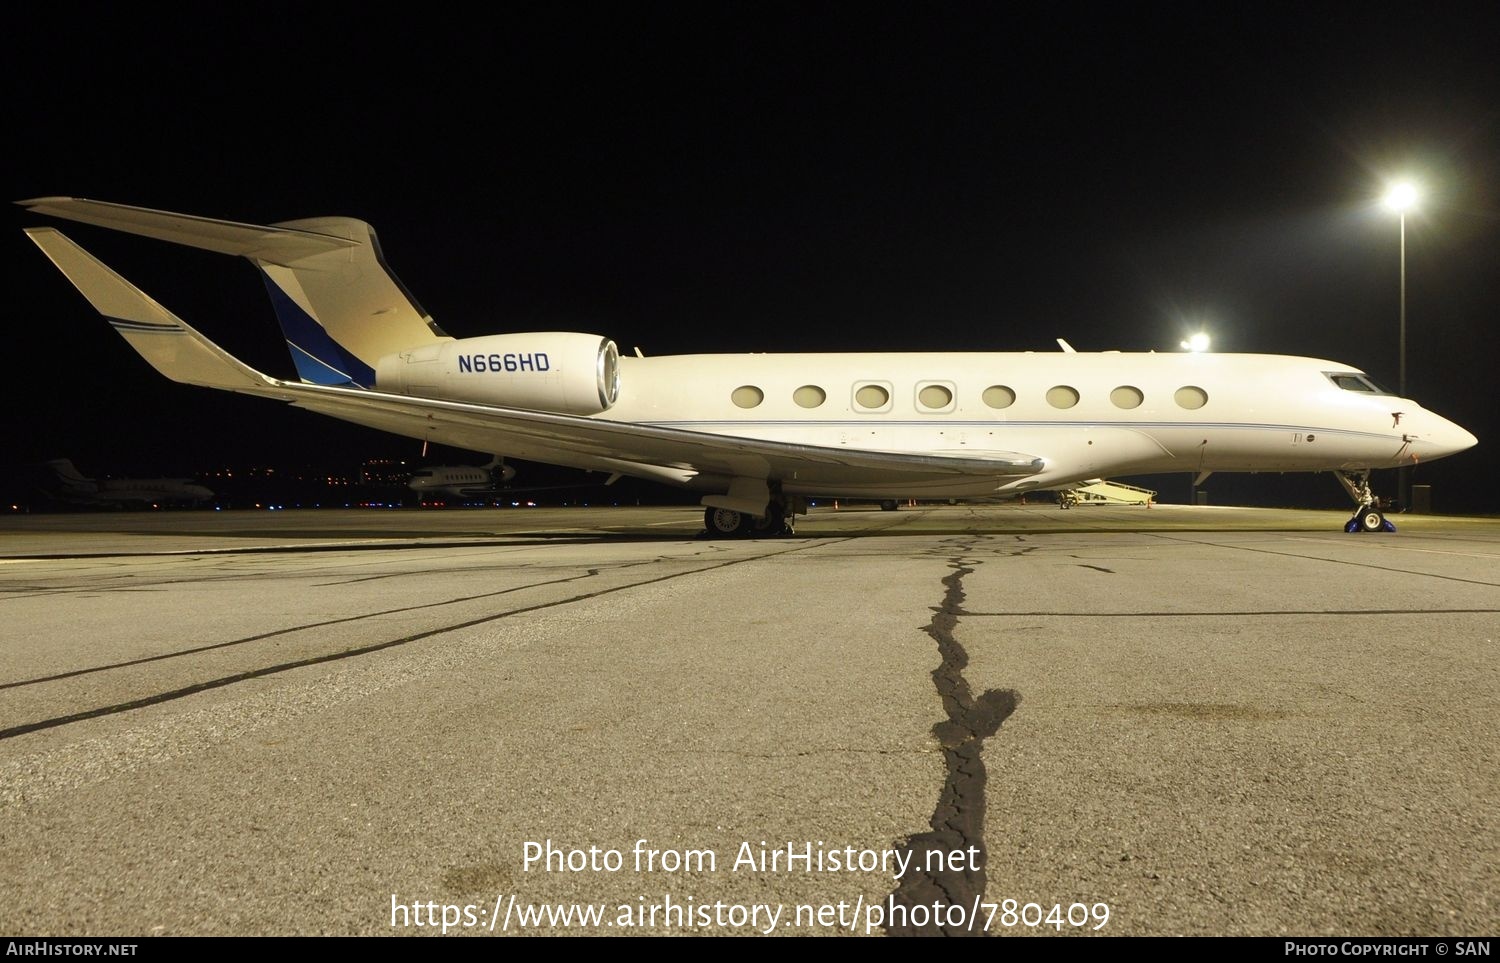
(559, 371)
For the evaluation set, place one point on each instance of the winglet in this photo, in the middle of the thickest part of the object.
(168, 343)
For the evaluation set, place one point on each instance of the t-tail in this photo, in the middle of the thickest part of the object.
(70, 480)
(340, 307)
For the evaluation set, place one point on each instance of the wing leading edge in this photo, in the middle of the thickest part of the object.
(183, 354)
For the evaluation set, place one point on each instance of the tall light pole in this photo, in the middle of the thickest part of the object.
(1400, 197)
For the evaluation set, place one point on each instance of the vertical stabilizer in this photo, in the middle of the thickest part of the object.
(340, 308)
(343, 310)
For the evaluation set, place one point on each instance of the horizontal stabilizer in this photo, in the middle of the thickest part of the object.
(276, 244)
(162, 338)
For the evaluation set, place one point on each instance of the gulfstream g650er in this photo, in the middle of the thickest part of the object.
(756, 433)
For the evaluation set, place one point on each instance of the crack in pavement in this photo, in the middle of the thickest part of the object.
(958, 821)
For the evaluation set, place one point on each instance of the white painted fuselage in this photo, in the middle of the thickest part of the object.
(1258, 413)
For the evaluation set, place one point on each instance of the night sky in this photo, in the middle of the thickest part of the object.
(755, 177)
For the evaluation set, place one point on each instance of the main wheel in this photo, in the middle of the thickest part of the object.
(727, 523)
(889, 505)
(1370, 520)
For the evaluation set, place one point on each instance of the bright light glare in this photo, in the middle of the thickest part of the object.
(1401, 197)
(1198, 342)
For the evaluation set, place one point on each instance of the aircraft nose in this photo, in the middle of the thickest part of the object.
(1449, 439)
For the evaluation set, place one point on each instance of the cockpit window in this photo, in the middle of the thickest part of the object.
(1350, 381)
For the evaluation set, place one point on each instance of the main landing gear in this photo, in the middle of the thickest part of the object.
(1369, 516)
(727, 523)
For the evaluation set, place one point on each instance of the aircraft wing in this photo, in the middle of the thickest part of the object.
(183, 354)
(591, 442)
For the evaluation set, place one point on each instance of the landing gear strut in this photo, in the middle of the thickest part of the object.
(1369, 515)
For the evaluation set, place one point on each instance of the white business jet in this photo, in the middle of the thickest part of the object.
(70, 485)
(461, 481)
(756, 433)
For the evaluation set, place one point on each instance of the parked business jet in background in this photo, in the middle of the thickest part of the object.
(756, 433)
(461, 481)
(69, 485)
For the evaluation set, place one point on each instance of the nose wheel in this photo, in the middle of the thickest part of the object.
(1368, 516)
(1369, 520)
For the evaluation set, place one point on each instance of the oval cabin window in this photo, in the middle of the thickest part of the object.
(935, 396)
(999, 396)
(1191, 397)
(809, 396)
(748, 396)
(872, 396)
(1127, 397)
(1061, 396)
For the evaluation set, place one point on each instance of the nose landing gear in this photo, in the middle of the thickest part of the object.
(1369, 515)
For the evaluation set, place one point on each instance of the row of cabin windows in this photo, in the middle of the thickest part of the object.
(935, 397)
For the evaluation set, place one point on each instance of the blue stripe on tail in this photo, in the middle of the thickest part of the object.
(320, 360)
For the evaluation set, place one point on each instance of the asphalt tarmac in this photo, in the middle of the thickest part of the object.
(1127, 721)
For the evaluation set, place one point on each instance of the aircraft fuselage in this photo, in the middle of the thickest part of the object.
(1087, 414)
